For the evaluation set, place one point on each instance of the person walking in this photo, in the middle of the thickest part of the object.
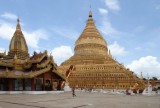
(73, 92)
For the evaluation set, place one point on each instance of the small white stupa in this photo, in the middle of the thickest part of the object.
(66, 87)
(148, 90)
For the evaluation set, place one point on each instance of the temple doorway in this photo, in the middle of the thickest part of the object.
(27, 84)
(48, 85)
(39, 84)
(2, 84)
(18, 84)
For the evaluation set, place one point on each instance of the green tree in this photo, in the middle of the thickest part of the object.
(154, 78)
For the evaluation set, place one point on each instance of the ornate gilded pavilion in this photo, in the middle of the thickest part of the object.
(19, 71)
(93, 66)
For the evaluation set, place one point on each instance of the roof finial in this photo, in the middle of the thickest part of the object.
(18, 24)
(90, 12)
(18, 20)
(141, 76)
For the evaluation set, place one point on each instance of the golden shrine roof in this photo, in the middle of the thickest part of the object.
(18, 44)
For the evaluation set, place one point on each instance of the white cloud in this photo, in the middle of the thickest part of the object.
(62, 53)
(32, 37)
(103, 11)
(9, 16)
(66, 32)
(107, 28)
(112, 5)
(6, 30)
(147, 65)
(117, 50)
(2, 50)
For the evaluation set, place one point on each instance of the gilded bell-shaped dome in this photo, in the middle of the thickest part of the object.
(90, 47)
(18, 44)
(90, 41)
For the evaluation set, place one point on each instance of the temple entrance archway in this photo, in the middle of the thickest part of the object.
(39, 84)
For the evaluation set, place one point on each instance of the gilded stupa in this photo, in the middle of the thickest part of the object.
(92, 65)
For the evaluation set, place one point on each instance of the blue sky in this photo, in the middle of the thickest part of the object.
(130, 27)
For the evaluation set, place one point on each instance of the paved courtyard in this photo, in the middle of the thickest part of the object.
(83, 100)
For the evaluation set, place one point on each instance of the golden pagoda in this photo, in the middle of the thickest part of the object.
(18, 44)
(21, 72)
(93, 66)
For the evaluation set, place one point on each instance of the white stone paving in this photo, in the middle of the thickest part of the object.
(83, 100)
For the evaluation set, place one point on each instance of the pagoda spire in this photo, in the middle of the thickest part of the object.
(90, 13)
(141, 76)
(90, 21)
(18, 44)
(18, 27)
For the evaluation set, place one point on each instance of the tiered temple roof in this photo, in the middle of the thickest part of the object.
(18, 64)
